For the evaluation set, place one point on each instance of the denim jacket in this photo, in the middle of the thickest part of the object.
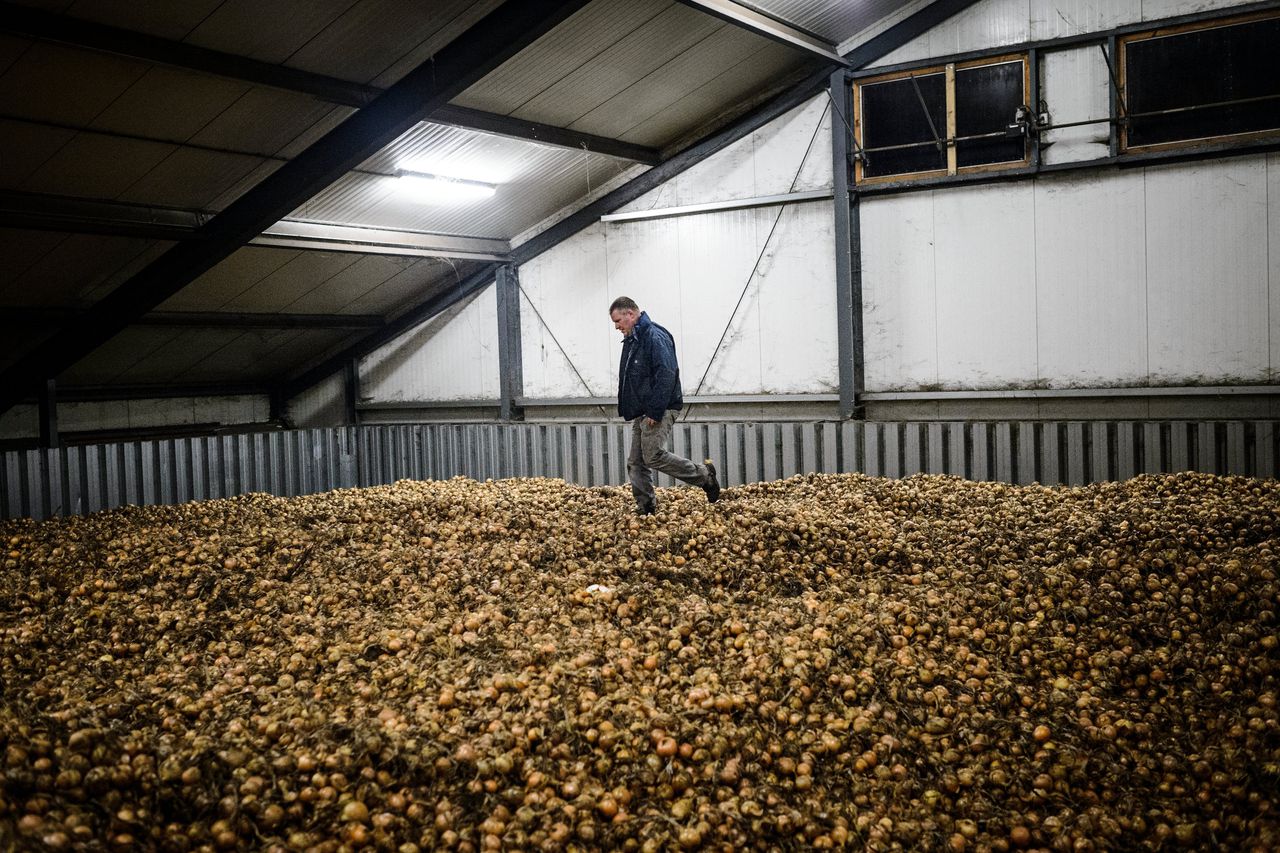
(648, 375)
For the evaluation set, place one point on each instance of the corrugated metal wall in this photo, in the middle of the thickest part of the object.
(89, 478)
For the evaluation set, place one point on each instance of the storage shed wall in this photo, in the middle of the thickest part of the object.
(1163, 275)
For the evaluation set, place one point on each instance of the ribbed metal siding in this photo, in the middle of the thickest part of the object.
(40, 483)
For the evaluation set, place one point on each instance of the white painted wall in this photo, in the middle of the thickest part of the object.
(451, 357)
(21, 422)
(698, 276)
(1163, 275)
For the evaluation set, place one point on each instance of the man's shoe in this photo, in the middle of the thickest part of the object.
(646, 509)
(712, 486)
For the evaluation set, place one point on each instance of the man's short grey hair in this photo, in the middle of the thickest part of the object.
(623, 303)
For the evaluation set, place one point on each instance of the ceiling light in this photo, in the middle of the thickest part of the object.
(438, 188)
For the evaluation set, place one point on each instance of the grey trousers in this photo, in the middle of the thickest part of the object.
(648, 454)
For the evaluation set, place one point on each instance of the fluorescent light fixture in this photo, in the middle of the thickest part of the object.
(440, 189)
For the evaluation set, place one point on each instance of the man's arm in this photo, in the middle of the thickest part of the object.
(662, 360)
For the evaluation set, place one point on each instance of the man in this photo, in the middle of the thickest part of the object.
(649, 396)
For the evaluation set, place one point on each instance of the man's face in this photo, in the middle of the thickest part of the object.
(624, 320)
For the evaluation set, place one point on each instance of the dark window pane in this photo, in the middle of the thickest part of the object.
(1204, 67)
(893, 115)
(987, 101)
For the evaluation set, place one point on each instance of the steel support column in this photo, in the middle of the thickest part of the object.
(510, 362)
(848, 294)
(351, 392)
(48, 414)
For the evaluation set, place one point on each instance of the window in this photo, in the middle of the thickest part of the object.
(1201, 82)
(944, 120)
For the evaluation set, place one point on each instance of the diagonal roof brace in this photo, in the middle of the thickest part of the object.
(494, 39)
(741, 15)
(40, 24)
(41, 212)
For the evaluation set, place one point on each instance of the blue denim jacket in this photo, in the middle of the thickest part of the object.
(648, 375)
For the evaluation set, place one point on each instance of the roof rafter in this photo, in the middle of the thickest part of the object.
(39, 212)
(490, 42)
(41, 316)
(771, 28)
(40, 24)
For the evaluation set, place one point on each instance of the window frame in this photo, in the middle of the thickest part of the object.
(1122, 83)
(949, 70)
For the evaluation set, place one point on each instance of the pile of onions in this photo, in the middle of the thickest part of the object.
(821, 662)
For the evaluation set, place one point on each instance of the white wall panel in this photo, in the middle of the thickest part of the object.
(986, 268)
(1077, 87)
(798, 304)
(1273, 253)
(990, 23)
(1091, 280)
(899, 293)
(1051, 19)
(1207, 271)
(452, 357)
(570, 287)
(1155, 9)
(717, 256)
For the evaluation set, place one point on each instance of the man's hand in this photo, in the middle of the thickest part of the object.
(648, 421)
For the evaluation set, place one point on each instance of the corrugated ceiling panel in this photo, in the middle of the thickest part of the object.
(230, 278)
(753, 78)
(268, 32)
(64, 84)
(168, 103)
(262, 120)
(105, 285)
(644, 50)
(170, 361)
(533, 182)
(190, 178)
(366, 39)
(326, 122)
(590, 32)
(24, 148)
(22, 250)
(18, 340)
(163, 18)
(95, 166)
(643, 101)
(11, 48)
(337, 292)
(457, 25)
(285, 285)
(413, 286)
(259, 358)
(831, 20)
(67, 275)
(245, 184)
(118, 354)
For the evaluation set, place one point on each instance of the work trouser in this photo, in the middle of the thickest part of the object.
(648, 454)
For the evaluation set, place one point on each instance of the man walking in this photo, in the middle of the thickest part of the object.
(649, 396)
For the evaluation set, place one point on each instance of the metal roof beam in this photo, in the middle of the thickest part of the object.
(121, 219)
(34, 316)
(39, 24)
(769, 27)
(381, 241)
(494, 39)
